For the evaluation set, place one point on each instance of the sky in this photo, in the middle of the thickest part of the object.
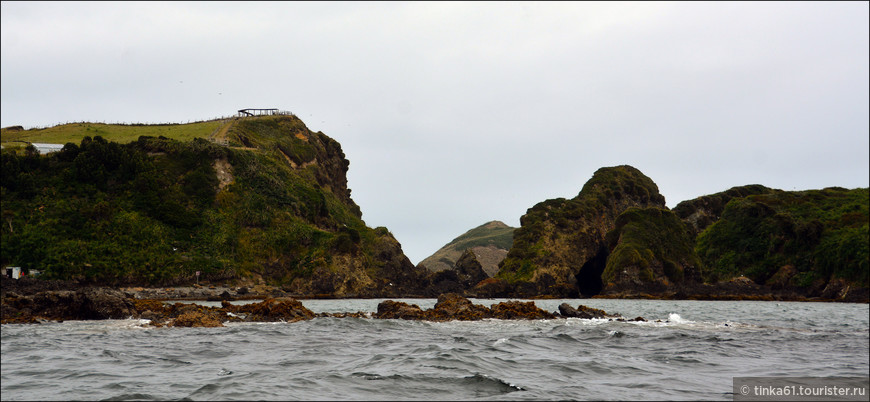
(453, 114)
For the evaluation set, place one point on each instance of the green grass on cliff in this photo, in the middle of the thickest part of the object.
(120, 133)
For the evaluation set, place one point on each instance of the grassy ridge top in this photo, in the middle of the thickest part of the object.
(120, 133)
(491, 233)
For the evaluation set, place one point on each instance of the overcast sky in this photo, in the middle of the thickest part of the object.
(456, 114)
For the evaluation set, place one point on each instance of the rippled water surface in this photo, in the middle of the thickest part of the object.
(693, 353)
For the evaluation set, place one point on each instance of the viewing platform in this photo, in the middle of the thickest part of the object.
(263, 112)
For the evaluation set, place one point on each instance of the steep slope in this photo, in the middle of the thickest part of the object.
(650, 252)
(272, 207)
(560, 248)
(490, 243)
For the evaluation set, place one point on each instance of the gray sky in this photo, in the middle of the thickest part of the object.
(455, 114)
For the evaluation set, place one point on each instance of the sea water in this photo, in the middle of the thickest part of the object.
(686, 350)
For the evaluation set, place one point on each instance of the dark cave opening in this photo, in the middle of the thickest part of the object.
(589, 278)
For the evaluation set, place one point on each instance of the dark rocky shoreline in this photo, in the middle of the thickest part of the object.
(30, 300)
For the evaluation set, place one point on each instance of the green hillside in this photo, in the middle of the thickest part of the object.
(272, 207)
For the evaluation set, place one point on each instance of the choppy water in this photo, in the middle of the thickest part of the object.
(692, 354)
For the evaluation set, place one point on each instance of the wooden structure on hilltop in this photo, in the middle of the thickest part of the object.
(262, 112)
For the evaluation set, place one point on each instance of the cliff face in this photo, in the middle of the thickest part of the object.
(560, 248)
(272, 207)
(650, 253)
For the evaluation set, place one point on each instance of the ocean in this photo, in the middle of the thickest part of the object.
(687, 350)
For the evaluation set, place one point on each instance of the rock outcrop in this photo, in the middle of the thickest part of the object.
(560, 248)
(650, 252)
(452, 306)
(466, 273)
(61, 305)
(581, 311)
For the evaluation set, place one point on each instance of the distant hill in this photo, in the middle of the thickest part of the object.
(490, 243)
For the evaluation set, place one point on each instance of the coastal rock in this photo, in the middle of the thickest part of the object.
(560, 247)
(389, 309)
(452, 306)
(469, 270)
(102, 303)
(196, 319)
(581, 311)
(460, 278)
(282, 309)
(223, 296)
(513, 310)
(493, 288)
(80, 304)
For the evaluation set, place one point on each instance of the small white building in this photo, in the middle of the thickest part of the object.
(13, 272)
(45, 148)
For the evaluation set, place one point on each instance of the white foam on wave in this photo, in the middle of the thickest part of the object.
(675, 318)
(571, 321)
(500, 341)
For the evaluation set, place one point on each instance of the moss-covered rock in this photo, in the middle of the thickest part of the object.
(560, 247)
(650, 252)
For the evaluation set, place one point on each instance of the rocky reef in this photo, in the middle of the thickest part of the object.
(89, 303)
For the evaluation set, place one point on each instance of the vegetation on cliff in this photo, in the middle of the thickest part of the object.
(701, 212)
(800, 244)
(650, 248)
(791, 238)
(274, 205)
